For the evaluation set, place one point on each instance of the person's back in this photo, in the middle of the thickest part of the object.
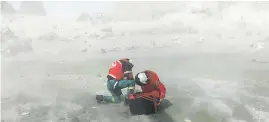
(152, 84)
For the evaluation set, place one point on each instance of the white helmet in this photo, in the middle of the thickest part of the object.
(141, 78)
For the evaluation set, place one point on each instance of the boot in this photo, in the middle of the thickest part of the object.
(99, 98)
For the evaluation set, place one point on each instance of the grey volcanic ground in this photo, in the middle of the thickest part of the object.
(214, 63)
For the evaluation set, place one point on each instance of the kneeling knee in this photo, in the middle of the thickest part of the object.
(116, 100)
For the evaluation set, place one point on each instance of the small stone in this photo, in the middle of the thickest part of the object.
(25, 113)
(98, 75)
(187, 120)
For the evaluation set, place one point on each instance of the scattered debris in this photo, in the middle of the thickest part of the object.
(201, 40)
(187, 120)
(176, 40)
(25, 113)
(257, 61)
(131, 47)
(99, 75)
(85, 50)
(79, 78)
(103, 51)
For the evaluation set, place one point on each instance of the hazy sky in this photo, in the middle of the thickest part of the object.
(71, 8)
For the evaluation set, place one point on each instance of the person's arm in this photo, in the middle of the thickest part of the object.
(160, 86)
(127, 70)
(162, 90)
(154, 94)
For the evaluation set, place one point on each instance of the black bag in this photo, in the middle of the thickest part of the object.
(141, 106)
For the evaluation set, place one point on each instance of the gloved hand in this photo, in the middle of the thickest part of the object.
(128, 76)
(158, 100)
(131, 96)
(128, 98)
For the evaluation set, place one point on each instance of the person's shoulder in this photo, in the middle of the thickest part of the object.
(150, 72)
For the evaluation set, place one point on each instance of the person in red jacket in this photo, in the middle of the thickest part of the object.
(151, 85)
(120, 76)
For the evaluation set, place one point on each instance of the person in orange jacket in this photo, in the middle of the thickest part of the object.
(120, 76)
(151, 85)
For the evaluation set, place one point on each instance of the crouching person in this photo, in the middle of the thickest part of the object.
(153, 92)
(120, 76)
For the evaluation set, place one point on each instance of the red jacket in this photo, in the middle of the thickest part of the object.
(120, 69)
(115, 70)
(154, 87)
